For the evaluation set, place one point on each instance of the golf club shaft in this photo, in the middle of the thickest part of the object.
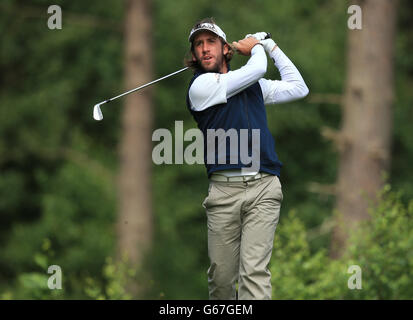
(145, 85)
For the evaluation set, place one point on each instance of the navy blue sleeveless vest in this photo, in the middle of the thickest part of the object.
(245, 110)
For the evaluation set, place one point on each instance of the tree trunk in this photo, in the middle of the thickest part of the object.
(365, 138)
(135, 210)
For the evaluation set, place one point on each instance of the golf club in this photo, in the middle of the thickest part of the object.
(97, 112)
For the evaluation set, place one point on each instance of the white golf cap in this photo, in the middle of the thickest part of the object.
(207, 27)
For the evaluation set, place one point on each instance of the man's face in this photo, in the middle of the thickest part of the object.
(209, 51)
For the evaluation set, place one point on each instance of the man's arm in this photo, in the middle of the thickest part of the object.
(290, 87)
(210, 89)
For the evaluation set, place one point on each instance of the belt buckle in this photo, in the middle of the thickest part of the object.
(249, 178)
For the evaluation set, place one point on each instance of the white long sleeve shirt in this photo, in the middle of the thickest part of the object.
(210, 89)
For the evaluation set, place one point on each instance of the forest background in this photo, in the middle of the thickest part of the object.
(64, 192)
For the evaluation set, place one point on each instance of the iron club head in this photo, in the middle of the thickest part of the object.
(97, 113)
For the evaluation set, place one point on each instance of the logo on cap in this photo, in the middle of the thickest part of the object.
(209, 27)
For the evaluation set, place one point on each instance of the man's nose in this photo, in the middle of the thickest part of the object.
(205, 47)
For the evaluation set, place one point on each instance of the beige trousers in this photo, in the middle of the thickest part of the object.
(242, 218)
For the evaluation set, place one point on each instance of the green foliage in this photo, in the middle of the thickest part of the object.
(382, 247)
(77, 229)
(34, 284)
(56, 180)
(117, 275)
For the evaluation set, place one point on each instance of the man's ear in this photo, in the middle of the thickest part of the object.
(193, 57)
(226, 49)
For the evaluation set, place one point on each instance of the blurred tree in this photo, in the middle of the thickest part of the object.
(135, 209)
(365, 139)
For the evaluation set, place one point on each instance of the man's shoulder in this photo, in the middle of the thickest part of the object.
(206, 90)
(205, 83)
(204, 79)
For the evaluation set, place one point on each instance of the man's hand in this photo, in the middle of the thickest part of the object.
(245, 46)
(269, 44)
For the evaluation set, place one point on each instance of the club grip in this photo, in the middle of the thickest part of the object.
(268, 36)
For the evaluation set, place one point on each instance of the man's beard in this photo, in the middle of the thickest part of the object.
(216, 67)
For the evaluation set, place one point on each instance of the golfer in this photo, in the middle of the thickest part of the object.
(242, 206)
